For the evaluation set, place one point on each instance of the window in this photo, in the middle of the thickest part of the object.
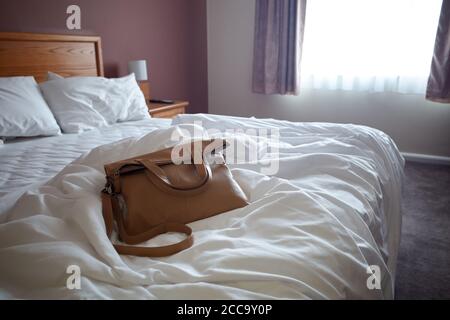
(369, 45)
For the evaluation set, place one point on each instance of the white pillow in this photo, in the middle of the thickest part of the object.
(23, 110)
(84, 103)
(53, 76)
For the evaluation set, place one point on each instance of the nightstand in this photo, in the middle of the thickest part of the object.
(145, 88)
(164, 110)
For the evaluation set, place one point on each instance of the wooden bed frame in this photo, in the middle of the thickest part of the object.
(34, 54)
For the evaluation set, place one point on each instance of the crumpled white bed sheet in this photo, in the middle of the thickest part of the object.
(30, 162)
(310, 231)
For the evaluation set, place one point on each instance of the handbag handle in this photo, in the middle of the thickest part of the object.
(203, 171)
(158, 177)
(162, 251)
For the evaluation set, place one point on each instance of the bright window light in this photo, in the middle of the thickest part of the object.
(369, 45)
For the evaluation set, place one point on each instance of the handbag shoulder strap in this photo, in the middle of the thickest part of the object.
(162, 251)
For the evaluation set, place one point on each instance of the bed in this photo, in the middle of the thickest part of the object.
(319, 227)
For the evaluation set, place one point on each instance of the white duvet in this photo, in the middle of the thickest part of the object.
(310, 232)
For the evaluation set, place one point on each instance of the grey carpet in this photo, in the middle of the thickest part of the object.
(423, 269)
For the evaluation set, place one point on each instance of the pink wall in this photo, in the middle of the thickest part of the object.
(169, 34)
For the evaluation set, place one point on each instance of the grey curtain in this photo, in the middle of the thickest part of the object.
(439, 82)
(279, 29)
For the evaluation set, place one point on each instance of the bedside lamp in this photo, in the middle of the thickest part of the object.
(139, 68)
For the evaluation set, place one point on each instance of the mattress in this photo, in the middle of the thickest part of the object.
(314, 229)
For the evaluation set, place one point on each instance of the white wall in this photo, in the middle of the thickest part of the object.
(417, 126)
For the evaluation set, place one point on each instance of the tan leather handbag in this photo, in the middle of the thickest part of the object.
(149, 195)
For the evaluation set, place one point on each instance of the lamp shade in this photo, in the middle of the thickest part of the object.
(139, 68)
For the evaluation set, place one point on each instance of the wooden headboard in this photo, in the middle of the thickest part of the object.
(33, 54)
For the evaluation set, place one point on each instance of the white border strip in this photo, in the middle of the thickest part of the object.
(425, 158)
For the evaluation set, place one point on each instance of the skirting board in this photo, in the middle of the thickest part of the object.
(425, 158)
